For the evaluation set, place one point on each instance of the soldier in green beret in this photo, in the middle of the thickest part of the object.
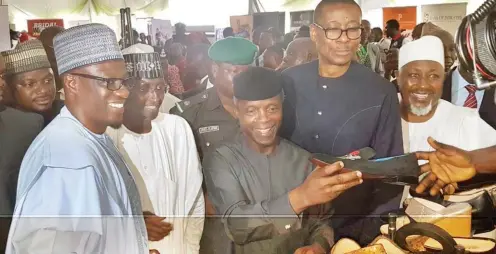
(211, 116)
(210, 113)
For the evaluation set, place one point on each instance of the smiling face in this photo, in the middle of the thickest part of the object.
(97, 106)
(146, 97)
(260, 120)
(337, 16)
(34, 91)
(421, 86)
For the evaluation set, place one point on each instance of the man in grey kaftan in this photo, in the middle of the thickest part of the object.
(254, 181)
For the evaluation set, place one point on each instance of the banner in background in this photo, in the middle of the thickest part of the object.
(446, 16)
(162, 30)
(300, 18)
(35, 26)
(242, 25)
(407, 16)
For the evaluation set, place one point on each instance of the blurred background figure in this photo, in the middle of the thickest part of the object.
(448, 43)
(366, 30)
(179, 36)
(417, 31)
(46, 38)
(197, 69)
(176, 56)
(299, 51)
(267, 40)
(394, 33)
(376, 48)
(303, 31)
(197, 38)
(288, 38)
(272, 56)
(14, 37)
(255, 38)
(228, 32)
(142, 38)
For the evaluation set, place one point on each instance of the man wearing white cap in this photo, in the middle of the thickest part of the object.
(161, 154)
(424, 114)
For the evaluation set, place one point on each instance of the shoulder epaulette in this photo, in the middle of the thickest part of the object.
(187, 103)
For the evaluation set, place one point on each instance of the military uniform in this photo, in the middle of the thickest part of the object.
(210, 122)
(212, 125)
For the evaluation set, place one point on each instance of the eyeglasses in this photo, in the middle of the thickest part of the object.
(113, 84)
(352, 33)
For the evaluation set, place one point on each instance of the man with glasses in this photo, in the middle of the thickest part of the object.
(75, 192)
(161, 153)
(336, 106)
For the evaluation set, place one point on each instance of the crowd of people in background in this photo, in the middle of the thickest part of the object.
(190, 146)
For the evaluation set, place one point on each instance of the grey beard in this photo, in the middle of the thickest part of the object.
(421, 111)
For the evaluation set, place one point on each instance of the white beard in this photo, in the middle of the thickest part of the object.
(421, 111)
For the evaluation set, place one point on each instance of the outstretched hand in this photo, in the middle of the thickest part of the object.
(447, 166)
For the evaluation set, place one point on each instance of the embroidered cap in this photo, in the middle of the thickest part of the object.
(85, 45)
(27, 56)
(142, 62)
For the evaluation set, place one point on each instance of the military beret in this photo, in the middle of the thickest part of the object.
(233, 50)
(257, 83)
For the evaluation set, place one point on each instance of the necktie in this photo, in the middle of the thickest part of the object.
(471, 101)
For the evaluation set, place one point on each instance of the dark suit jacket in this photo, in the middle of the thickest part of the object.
(487, 109)
(17, 131)
(487, 112)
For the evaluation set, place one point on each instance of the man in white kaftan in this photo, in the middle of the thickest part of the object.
(424, 114)
(75, 193)
(161, 153)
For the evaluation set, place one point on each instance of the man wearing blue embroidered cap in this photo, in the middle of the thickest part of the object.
(75, 193)
(212, 119)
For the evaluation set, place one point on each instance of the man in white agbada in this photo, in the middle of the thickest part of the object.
(75, 193)
(161, 153)
(424, 114)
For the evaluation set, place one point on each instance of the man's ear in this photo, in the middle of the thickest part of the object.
(70, 84)
(313, 33)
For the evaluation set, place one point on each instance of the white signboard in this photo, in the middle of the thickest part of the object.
(4, 28)
(161, 31)
(446, 16)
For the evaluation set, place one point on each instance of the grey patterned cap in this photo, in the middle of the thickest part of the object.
(85, 45)
(27, 56)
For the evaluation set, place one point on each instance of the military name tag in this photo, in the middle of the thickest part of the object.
(208, 129)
